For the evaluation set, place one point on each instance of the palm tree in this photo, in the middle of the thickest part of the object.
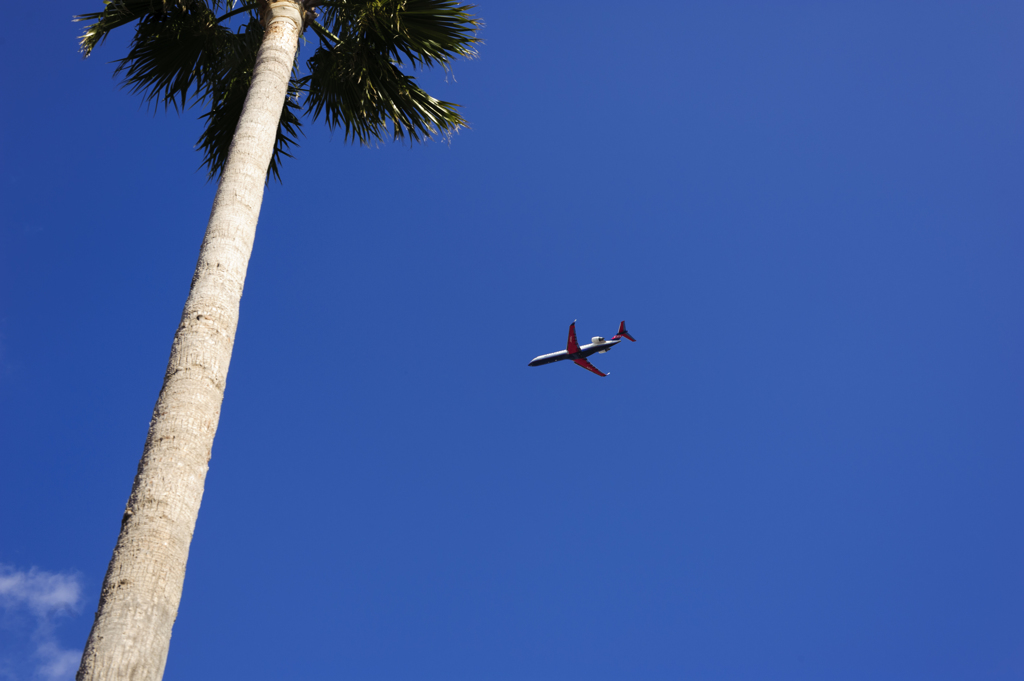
(184, 53)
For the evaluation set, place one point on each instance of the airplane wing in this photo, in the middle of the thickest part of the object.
(588, 366)
(572, 346)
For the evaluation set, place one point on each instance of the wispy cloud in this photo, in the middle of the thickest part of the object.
(45, 596)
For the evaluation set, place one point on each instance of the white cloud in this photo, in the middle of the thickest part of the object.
(42, 592)
(45, 595)
(56, 663)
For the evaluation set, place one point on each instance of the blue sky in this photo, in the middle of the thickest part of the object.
(808, 467)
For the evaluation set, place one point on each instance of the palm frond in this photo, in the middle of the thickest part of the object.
(228, 98)
(354, 77)
(355, 87)
(116, 13)
(429, 32)
(175, 53)
(424, 32)
(181, 52)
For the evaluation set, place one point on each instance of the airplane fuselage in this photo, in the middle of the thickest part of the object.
(584, 352)
(579, 353)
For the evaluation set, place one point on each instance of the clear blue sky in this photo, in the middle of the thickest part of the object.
(809, 466)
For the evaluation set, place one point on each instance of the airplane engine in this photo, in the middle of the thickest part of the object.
(597, 339)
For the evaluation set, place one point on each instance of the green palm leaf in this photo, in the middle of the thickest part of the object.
(354, 87)
(354, 78)
(425, 32)
(118, 13)
(115, 13)
(175, 51)
(183, 54)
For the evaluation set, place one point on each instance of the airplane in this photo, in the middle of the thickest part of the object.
(579, 354)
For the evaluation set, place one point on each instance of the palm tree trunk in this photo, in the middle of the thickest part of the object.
(139, 601)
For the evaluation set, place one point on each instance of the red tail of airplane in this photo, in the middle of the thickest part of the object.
(623, 333)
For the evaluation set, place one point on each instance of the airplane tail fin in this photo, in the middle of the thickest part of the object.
(623, 333)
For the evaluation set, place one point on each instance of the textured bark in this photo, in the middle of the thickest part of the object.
(139, 601)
